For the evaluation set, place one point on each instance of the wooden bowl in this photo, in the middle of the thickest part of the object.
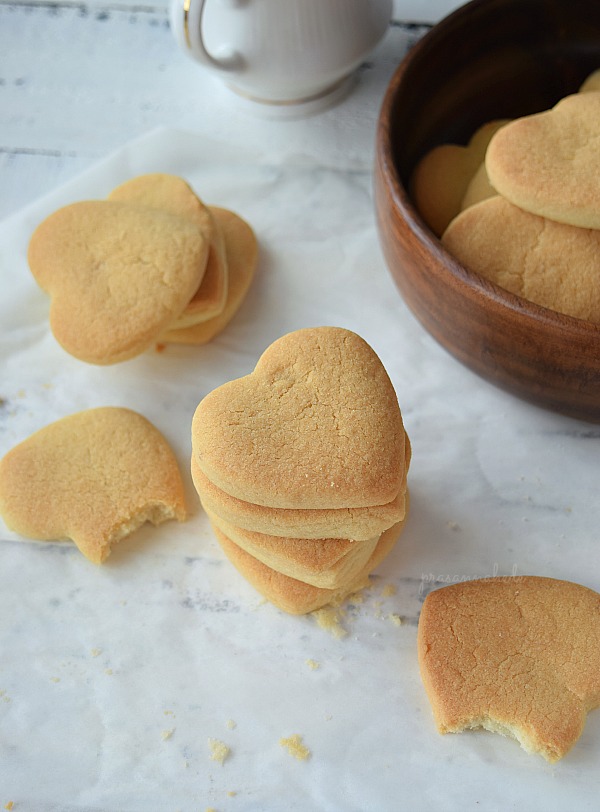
(489, 59)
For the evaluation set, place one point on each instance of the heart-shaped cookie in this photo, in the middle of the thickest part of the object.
(552, 264)
(171, 193)
(591, 83)
(517, 655)
(241, 248)
(326, 563)
(315, 425)
(118, 275)
(297, 597)
(92, 477)
(440, 179)
(479, 188)
(549, 163)
(359, 524)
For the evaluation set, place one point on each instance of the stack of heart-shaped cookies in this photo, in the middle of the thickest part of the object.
(152, 263)
(301, 467)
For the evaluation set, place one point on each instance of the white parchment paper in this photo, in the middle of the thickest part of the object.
(113, 679)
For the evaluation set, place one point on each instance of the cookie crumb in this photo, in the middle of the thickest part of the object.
(166, 734)
(169, 713)
(388, 590)
(329, 618)
(231, 724)
(96, 652)
(109, 672)
(293, 744)
(356, 597)
(232, 793)
(313, 664)
(54, 679)
(397, 620)
(218, 750)
(10, 805)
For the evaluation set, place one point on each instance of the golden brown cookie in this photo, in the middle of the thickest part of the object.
(172, 194)
(209, 300)
(517, 655)
(168, 193)
(294, 596)
(316, 425)
(358, 524)
(440, 179)
(118, 275)
(93, 477)
(592, 83)
(327, 563)
(478, 189)
(241, 249)
(549, 163)
(552, 264)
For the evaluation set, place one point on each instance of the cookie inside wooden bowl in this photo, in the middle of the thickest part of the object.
(489, 60)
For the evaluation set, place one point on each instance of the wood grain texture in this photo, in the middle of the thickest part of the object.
(495, 59)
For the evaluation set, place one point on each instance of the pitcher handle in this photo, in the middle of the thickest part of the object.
(186, 19)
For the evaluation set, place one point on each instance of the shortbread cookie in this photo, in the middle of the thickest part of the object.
(478, 189)
(517, 655)
(211, 297)
(168, 193)
(592, 83)
(552, 264)
(549, 163)
(93, 477)
(327, 563)
(316, 425)
(358, 524)
(294, 596)
(241, 249)
(440, 179)
(118, 275)
(171, 193)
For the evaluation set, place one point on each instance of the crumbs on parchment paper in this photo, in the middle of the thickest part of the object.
(295, 747)
(219, 751)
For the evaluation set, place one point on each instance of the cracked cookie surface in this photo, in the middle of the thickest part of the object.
(549, 163)
(118, 274)
(552, 264)
(315, 425)
(517, 655)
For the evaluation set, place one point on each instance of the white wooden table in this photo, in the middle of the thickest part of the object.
(77, 80)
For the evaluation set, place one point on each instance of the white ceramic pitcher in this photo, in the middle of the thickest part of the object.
(280, 51)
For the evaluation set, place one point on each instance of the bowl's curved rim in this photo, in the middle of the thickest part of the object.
(405, 206)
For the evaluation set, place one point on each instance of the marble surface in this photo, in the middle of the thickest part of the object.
(114, 679)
